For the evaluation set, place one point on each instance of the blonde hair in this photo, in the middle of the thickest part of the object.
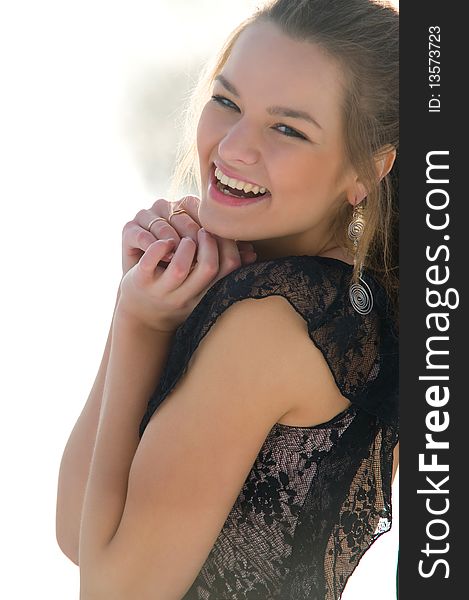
(362, 36)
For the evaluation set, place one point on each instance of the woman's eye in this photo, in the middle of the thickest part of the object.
(293, 132)
(222, 100)
(289, 132)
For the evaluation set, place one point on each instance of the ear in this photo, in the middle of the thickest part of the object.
(384, 160)
(356, 192)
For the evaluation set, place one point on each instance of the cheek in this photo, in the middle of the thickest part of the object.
(202, 133)
(306, 182)
(298, 174)
(208, 131)
(314, 174)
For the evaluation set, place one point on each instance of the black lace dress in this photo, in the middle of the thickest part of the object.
(316, 497)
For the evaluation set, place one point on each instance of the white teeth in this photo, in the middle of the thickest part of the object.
(237, 184)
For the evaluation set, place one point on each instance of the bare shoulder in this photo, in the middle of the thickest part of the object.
(254, 344)
(272, 350)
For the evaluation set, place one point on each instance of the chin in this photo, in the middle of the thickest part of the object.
(217, 224)
(213, 223)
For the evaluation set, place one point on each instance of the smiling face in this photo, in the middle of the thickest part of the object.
(275, 120)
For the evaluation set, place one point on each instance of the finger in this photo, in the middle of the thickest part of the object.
(248, 257)
(176, 226)
(135, 237)
(229, 257)
(160, 229)
(208, 259)
(180, 266)
(149, 261)
(205, 269)
(245, 246)
(246, 251)
(186, 223)
(191, 205)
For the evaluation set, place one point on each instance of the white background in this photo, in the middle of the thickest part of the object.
(91, 93)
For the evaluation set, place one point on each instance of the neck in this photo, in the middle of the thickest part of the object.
(339, 253)
(266, 250)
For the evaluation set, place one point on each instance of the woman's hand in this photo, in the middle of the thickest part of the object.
(136, 238)
(161, 297)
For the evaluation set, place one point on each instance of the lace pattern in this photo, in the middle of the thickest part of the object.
(351, 496)
(250, 556)
(317, 497)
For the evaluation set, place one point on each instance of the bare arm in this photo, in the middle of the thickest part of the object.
(78, 453)
(75, 464)
(153, 511)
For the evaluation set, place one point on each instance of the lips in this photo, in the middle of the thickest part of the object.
(227, 199)
(237, 176)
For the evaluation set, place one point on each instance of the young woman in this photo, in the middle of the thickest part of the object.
(241, 436)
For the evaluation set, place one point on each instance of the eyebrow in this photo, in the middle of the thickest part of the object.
(283, 111)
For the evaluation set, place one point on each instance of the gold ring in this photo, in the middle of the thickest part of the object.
(176, 212)
(154, 221)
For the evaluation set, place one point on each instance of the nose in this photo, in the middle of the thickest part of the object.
(239, 144)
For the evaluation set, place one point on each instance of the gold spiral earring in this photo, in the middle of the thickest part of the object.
(360, 294)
